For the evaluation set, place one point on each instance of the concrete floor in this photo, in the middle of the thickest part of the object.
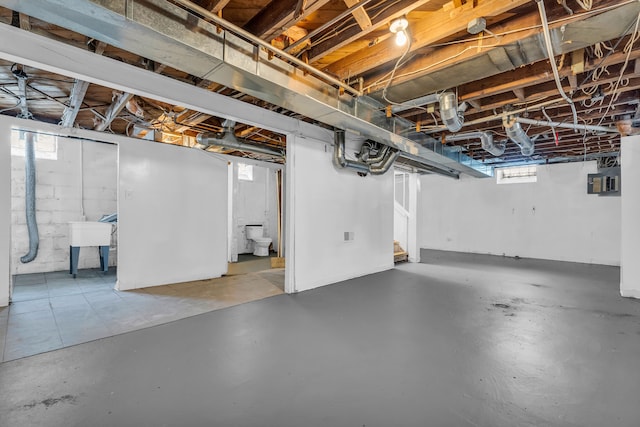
(52, 310)
(457, 341)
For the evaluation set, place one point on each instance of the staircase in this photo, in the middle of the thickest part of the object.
(399, 254)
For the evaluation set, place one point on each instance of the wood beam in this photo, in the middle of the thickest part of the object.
(215, 6)
(532, 75)
(114, 109)
(279, 15)
(359, 14)
(25, 24)
(349, 35)
(433, 28)
(76, 97)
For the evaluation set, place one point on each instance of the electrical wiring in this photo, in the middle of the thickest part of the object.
(395, 68)
(10, 108)
(627, 49)
(383, 79)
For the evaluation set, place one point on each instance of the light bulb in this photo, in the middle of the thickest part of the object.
(401, 38)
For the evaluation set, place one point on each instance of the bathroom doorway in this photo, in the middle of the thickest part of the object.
(255, 228)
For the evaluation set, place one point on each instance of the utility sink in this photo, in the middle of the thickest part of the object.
(90, 233)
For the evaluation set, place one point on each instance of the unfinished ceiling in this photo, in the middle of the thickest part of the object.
(342, 56)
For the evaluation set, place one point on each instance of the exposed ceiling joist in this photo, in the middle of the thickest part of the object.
(114, 109)
(76, 97)
(279, 15)
(214, 6)
(359, 14)
(350, 34)
(431, 29)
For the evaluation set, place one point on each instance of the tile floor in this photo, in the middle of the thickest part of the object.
(53, 310)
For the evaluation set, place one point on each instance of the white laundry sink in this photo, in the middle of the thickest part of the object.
(90, 233)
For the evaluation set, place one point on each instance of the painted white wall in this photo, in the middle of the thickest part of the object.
(553, 218)
(630, 242)
(172, 215)
(79, 184)
(5, 213)
(324, 204)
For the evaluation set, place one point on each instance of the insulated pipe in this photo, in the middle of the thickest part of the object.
(552, 60)
(227, 139)
(518, 135)
(486, 138)
(30, 198)
(449, 111)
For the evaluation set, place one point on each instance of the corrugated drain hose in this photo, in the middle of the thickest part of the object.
(30, 198)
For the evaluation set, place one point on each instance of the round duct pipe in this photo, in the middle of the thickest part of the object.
(486, 138)
(518, 135)
(449, 111)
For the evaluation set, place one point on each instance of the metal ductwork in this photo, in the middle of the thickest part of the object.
(376, 164)
(518, 135)
(449, 111)
(451, 114)
(155, 29)
(227, 139)
(486, 138)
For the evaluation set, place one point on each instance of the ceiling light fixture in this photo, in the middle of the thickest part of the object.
(399, 27)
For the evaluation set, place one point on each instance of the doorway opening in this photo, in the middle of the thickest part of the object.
(255, 220)
(75, 183)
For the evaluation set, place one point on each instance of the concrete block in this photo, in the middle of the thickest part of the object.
(43, 191)
(68, 192)
(17, 203)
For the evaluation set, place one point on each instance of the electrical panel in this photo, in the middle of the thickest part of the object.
(604, 183)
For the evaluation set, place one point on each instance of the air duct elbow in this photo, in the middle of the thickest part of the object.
(227, 139)
(486, 138)
(518, 136)
(385, 165)
(449, 112)
(374, 165)
(492, 147)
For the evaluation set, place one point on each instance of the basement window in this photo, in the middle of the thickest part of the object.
(245, 172)
(517, 174)
(46, 145)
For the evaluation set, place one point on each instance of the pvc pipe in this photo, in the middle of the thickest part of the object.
(590, 128)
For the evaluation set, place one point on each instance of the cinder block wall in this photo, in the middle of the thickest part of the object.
(84, 173)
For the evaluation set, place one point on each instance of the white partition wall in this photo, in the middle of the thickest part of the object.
(5, 211)
(172, 215)
(340, 224)
(630, 218)
(553, 218)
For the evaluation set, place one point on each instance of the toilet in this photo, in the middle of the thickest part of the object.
(260, 243)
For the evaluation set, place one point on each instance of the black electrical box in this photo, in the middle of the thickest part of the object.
(604, 183)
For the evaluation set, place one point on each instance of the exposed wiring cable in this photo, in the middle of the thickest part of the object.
(627, 49)
(552, 60)
(395, 68)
